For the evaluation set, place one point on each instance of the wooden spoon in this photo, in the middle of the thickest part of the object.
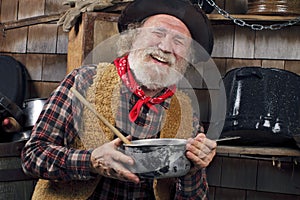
(89, 105)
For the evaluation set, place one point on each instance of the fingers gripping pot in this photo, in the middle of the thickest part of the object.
(158, 158)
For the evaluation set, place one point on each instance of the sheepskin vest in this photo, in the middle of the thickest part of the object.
(104, 94)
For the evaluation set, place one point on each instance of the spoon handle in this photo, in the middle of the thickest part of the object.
(227, 138)
(89, 105)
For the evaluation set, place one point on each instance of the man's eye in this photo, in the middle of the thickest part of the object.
(178, 42)
(158, 34)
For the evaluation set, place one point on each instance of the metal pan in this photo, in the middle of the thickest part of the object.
(32, 110)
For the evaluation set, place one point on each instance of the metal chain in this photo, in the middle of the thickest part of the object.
(240, 22)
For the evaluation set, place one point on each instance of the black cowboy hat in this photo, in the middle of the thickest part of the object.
(191, 15)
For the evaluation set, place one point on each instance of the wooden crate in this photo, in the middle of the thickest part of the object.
(94, 28)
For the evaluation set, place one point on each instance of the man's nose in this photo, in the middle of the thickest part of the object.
(165, 44)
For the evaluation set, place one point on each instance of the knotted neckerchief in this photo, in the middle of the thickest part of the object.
(127, 78)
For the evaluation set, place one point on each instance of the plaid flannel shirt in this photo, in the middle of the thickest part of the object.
(48, 155)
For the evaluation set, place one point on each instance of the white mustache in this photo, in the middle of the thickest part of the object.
(160, 55)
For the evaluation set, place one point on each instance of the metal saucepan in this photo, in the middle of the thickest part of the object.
(32, 110)
(161, 158)
(158, 158)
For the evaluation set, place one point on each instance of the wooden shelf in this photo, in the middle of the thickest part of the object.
(218, 17)
(30, 21)
(267, 151)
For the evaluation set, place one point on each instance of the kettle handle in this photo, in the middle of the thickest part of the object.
(241, 73)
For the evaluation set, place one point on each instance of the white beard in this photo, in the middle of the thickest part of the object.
(152, 75)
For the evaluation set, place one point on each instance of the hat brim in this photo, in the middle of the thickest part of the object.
(191, 15)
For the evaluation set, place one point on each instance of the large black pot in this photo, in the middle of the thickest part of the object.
(263, 106)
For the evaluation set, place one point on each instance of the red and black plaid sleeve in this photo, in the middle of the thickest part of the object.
(47, 154)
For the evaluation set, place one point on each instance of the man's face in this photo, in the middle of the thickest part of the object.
(159, 52)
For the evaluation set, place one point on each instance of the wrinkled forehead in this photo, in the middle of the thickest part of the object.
(167, 22)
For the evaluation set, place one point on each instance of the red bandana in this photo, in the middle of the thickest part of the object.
(128, 79)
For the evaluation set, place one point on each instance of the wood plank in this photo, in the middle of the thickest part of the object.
(236, 63)
(236, 7)
(81, 38)
(270, 151)
(110, 17)
(62, 41)
(20, 57)
(104, 47)
(211, 192)
(193, 78)
(199, 99)
(9, 10)
(14, 41)
(244, 43)
(213, 171)
(31, 8)
(239, 173)
(284, 179)
(217, 109)
(218, 17)
(30, 21)
(106, 28)
(223, 43)
(0, 9)
(75, 47)
(211, 76)
(54, 67)
(34, 63)
(96, 21)
(116, 8)
(221, 4)
(293, 66)
(42, 89)
(55, 7)
(203, 103)
(255, 195)
(280, 44)
(221, 64)
(42, 38)
(279, 64)
(229, 194)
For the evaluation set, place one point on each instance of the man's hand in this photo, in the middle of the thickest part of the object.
(201, 150)
(107, 161)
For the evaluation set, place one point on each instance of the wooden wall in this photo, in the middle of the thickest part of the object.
(253, 178)
(41, 47)
(242, 46)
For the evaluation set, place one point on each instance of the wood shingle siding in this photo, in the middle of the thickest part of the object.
(49, 53)
(34, 39)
